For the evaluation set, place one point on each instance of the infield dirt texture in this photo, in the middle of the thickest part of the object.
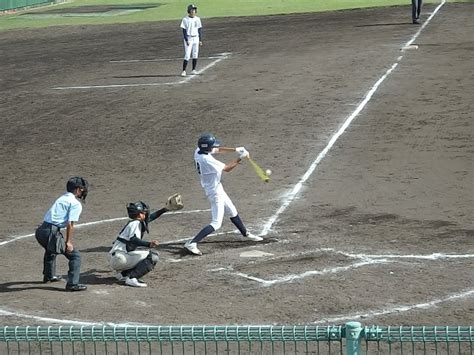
(381, 232)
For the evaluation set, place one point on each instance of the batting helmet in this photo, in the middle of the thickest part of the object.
(134, 208)
(207, 141)
(192, 7)
(78, 182)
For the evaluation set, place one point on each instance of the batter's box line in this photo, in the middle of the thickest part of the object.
(366, 259)
(118, 86)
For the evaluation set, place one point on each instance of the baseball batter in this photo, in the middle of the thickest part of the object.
(210, 172)
(192, 36)
(129, 262)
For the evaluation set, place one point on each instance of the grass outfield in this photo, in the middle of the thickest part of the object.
(176, 9)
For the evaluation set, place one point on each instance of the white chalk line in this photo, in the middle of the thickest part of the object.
(290, 196)
(366, 259)
(88, 224)
(177, 82)
(217, 56)
(398, 309)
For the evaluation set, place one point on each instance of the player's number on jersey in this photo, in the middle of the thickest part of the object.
(198, 168)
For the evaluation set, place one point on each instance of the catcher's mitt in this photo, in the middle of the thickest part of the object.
(174, 203)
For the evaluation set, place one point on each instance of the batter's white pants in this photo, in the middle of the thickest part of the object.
(121, 260)
(191, 50)
(221, 205)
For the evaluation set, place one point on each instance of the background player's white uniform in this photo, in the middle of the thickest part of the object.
(210, 171)
(191, 25)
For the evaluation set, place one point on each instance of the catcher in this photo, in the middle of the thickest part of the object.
(125, 258)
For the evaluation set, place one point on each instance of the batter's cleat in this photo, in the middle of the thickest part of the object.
(192, 248)
(253, 237)
(183, 73)
(134, 282)
(52, 279)
(120, 277)
(194, 72)
(75, 288)
(416, 21)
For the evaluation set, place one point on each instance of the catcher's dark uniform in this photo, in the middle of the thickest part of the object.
(416, 10)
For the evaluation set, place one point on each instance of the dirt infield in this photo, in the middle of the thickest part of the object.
(381, 231)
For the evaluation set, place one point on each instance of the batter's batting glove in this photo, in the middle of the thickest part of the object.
(244, 154)
(240, 149)
(174, 203)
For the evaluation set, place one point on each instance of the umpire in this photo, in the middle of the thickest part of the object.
(416, 11)
(64, 212)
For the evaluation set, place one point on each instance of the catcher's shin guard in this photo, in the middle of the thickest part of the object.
(144, 266)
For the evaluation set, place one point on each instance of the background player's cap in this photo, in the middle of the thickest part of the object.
(192, 7)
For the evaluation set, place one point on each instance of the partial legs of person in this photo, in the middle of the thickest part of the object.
(187, 55)
(221, 204)
(74, 271)
(49, 260)
(133, 265)
(416, 10)
(195, 54)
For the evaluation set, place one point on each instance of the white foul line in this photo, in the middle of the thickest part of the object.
(290, 196)
(178, 82)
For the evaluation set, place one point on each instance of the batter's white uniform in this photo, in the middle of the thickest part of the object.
(192, 26)
(119, 258)
(210, 171)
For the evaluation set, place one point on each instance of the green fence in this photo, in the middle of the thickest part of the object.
(351, 339)
(18, 4)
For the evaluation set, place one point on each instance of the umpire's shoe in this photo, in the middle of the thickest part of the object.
(78, 287)
(56, 278)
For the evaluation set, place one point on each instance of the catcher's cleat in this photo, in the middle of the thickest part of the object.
(192, 248)
(253, 237)
(134, 282)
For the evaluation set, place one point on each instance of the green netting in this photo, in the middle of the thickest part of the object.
(171, 333)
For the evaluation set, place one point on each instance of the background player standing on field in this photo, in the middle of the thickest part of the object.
(192, 35)
(210, 171)
(64, 212)
(416, 11)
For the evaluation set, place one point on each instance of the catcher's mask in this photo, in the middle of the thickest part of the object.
(78, 182)
(207, 141)
(192, 7)
(134, 208)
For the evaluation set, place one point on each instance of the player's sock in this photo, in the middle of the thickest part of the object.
(195, 61)
(239, 224)
(185, 64)
(203, 233)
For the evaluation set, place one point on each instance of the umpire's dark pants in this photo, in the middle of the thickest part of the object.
(416, 9)
(49, 260)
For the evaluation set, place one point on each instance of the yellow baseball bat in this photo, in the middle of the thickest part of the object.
(258, 170)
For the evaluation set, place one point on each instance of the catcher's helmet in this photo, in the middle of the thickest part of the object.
(192, 7)
(207, 141)
(134, 208)
(75, 182)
